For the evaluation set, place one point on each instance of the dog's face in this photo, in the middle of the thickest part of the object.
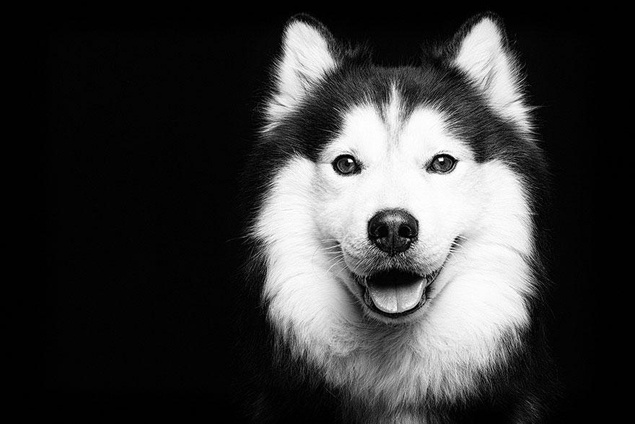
(383, 176)
(396, 194)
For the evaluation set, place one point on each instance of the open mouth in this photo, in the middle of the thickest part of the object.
(396, 293)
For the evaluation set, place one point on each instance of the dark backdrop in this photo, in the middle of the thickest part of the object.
(148, 117)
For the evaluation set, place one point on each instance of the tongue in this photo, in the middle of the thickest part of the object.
(394, 299)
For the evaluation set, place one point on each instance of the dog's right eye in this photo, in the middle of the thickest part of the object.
(346, 165)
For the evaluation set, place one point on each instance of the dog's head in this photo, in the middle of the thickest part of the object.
(387, 177)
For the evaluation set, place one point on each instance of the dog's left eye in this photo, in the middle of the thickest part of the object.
(442, 164)
(346, 165)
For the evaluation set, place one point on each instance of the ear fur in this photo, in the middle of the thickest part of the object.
(308, 53)
(481, 51)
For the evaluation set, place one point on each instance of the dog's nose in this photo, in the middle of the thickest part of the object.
(393, 230)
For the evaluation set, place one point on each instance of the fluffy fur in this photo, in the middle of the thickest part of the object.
(474, 351)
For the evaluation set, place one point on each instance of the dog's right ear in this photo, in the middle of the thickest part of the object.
(308, 53)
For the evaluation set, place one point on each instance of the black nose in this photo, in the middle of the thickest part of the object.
(393, 230)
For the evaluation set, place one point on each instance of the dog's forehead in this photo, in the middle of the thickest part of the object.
(393, 126)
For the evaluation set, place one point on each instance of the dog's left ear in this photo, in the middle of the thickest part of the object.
(480, 49)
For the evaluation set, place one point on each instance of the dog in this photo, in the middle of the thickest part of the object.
(394, 268)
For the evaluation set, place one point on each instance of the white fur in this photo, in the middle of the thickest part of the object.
(305, 59)
(393, 113)
(307, 300)
(484, 59)
(314, 222)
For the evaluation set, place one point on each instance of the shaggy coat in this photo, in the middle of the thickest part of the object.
(320, 343)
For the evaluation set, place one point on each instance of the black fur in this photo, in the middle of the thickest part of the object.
(275, 387)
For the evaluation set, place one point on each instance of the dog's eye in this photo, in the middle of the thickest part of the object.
(346, 165)
(442, 164)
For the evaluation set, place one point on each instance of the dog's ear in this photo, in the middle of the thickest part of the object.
(308, 53)
(481, 50)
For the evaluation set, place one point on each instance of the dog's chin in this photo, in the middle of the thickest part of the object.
(395, 295)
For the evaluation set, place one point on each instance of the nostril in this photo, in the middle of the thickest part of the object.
(381, 231)
(405, 231)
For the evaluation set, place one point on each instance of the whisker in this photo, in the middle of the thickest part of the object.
(339, 261)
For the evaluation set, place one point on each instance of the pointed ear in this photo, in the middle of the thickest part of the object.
(482, 53)
(308, 53)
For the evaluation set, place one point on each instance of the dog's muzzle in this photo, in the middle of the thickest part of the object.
(395, 288)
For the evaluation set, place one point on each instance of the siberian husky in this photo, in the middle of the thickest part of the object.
(394, 270)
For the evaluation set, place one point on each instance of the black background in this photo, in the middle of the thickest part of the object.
(148, 117)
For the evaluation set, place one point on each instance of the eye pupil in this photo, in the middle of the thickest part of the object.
(345, 165)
